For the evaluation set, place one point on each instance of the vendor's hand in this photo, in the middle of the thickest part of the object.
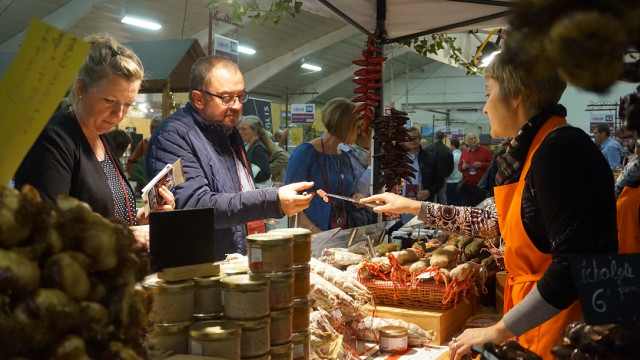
(358, 197)
(393, 204)
(423, 195)
(461, 344)
(169, 201)
(290, 201)
(464, 166)
(477, 164)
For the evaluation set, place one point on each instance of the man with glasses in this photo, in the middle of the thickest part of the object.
(217, 173)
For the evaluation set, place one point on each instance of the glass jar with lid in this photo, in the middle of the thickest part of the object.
(280, 289)
(172, 301)
(282, 352)
(281, 328)
(216, 338)
(254, 337)
(169, 338)
(270, 252)
(301, 345)
(393, 339)
(301, 243)
(301, 280)
(207, 295)
(245, 296)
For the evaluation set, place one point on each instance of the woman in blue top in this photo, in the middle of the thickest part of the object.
(320, 161)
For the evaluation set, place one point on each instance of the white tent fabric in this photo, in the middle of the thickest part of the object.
(408, 18)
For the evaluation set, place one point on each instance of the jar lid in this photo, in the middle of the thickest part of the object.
(299, 234)
(244, 282)
(265, 239)
(301, 268)
(302, 302)
(169, 328)
(205, 317)
(278, 276)
(206, 281)
(254, 323)
(394, 331)
(155, 285)
(301, 336)
(214, 329)
(281, 313)
(282, 349)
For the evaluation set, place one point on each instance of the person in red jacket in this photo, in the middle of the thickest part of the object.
(474, 162)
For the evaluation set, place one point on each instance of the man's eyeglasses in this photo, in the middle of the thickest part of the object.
(228, 100)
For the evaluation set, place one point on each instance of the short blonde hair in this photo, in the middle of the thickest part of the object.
(338, 117)
(539, 91)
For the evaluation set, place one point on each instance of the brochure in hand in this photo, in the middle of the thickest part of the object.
(171, 176)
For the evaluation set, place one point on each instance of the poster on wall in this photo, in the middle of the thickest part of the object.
(457, 134)
(226, 47)
(261, 109)
(597, 119)
(302, 113)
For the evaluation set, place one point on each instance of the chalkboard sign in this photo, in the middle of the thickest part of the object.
(608, 287)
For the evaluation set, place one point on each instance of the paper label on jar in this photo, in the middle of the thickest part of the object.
(298, 351)
(398, 344)
(195, 348)
(255, 258)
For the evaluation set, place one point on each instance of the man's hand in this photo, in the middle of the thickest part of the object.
(423, 195)
(290, 201)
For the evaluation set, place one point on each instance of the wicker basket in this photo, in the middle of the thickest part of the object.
(423, 295)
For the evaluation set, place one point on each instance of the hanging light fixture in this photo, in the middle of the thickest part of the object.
(146, 24)
(488, 49)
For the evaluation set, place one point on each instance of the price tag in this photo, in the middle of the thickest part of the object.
(608, 287)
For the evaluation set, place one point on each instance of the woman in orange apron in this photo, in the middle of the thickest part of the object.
(554, 199)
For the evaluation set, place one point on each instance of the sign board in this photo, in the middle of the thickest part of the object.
(261, 109)
(427, 131)
(457, 134)
(597, 119)
(31, 89)
(302, 113)
(608, 287)
(226, 47)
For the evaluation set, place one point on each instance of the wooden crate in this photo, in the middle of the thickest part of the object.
(446, 323)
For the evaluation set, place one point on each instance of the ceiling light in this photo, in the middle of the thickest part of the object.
(246, 50)
(141, 23)
(311, 67)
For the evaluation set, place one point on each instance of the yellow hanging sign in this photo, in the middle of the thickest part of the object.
(32, 87)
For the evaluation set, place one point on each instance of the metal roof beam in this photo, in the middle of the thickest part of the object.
(63, 18)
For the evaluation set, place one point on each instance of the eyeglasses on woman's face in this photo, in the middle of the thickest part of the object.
(227, 100)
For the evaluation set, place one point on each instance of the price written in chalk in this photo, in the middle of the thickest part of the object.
(608, 287)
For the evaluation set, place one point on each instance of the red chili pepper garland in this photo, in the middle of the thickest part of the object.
(391, 134)
(368, 80)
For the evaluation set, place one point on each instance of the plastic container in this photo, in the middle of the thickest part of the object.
(301, 345)
(207, 295)
(172, 301)
(281, 328)
(216, 338)
(393, 339)
(169, 337)
(301, 286)
(270, 252)
(282, 352)
(301, 244)
(254, 337)
(280, 289)
(301, 313)
(245, 297)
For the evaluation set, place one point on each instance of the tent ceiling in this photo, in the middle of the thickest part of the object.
(316, 35)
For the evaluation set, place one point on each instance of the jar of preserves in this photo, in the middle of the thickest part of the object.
(207, 295)
(281, 328)
(245, 296)
(207, 317)
(301, 286)
(216, 338)
(266, 356)
(254, 339)
(270, 252)
(301, 313)
(301, 244)
(301, 345)
(280, 289)
(393, 339)
(169, 337)
(282, 352)
(172, 301)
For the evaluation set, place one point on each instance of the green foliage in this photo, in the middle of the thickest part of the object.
(250, 8)
(436, 42)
